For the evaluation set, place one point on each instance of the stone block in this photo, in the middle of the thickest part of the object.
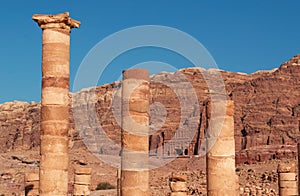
(288, 191)
(221, 127)
(54, 144)
(133, 142)
(133, 179)
(83, 171)
(286, 168)
(136, 73)
(52, 36)
(54, 161)
(222, 108)
(82, 179)
(59, 82)
(178, 177)
(81, 190)
(223, 146)
(178, 186)
(29, 177)
(55, 96)
(223, 192)
(287, 176)
(179, 194)
(55, 128)
(221, 173)
(288, 184)
(54, 112)
(139, 191)
(53, 181)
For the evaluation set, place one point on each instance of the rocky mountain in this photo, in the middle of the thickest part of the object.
(267, 114)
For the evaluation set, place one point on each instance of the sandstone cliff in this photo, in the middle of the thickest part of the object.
(267, 114)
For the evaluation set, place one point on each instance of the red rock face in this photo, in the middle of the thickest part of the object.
(19, 126)
(267, 114)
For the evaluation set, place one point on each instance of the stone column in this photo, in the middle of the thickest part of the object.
(178, 185)
(82, 181)
(220, 158)
(287, 180)
(135, 130)
(55, 102)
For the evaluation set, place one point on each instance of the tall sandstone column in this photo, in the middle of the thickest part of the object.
(55, 102)
(135, 130)
(220, 158)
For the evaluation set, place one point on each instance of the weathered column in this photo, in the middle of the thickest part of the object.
(82, 181)
(287, 180)
(135, 130)
(55, 102)
(220, 158)
(178, 185)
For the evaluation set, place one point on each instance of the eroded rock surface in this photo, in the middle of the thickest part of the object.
(267, 114)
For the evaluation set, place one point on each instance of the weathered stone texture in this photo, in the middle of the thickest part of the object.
(287, 182)
(220, 157)
(82, 181)
(267, 115)
(135, 132)
(55, 102)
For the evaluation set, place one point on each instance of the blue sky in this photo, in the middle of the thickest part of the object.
(243, 36)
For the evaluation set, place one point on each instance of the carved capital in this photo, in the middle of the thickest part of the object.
(59, 21)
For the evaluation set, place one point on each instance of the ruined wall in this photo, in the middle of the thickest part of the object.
(267, 114)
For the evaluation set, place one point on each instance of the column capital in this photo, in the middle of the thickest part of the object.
(59, 21)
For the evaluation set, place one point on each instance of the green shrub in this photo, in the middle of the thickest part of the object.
(104, 186)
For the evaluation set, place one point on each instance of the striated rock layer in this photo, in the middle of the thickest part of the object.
(267, 114)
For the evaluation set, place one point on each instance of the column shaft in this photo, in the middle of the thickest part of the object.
(55, 103)
(55, 113)
(135, 130)
(221, 179)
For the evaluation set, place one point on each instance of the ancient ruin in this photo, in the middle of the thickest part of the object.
(82, 181)
(55, 104)
(178, 185)
(259, 127)
(287, 182)
(135, 132)
(220, 157)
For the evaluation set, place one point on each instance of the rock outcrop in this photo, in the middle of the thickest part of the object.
(267, 114)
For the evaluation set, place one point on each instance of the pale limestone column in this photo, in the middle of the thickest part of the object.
(55, 102)
(82, 181)
(135, 130)
(287, 180)
(220, 158)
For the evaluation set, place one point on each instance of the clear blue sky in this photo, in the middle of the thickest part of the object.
(242, 36)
